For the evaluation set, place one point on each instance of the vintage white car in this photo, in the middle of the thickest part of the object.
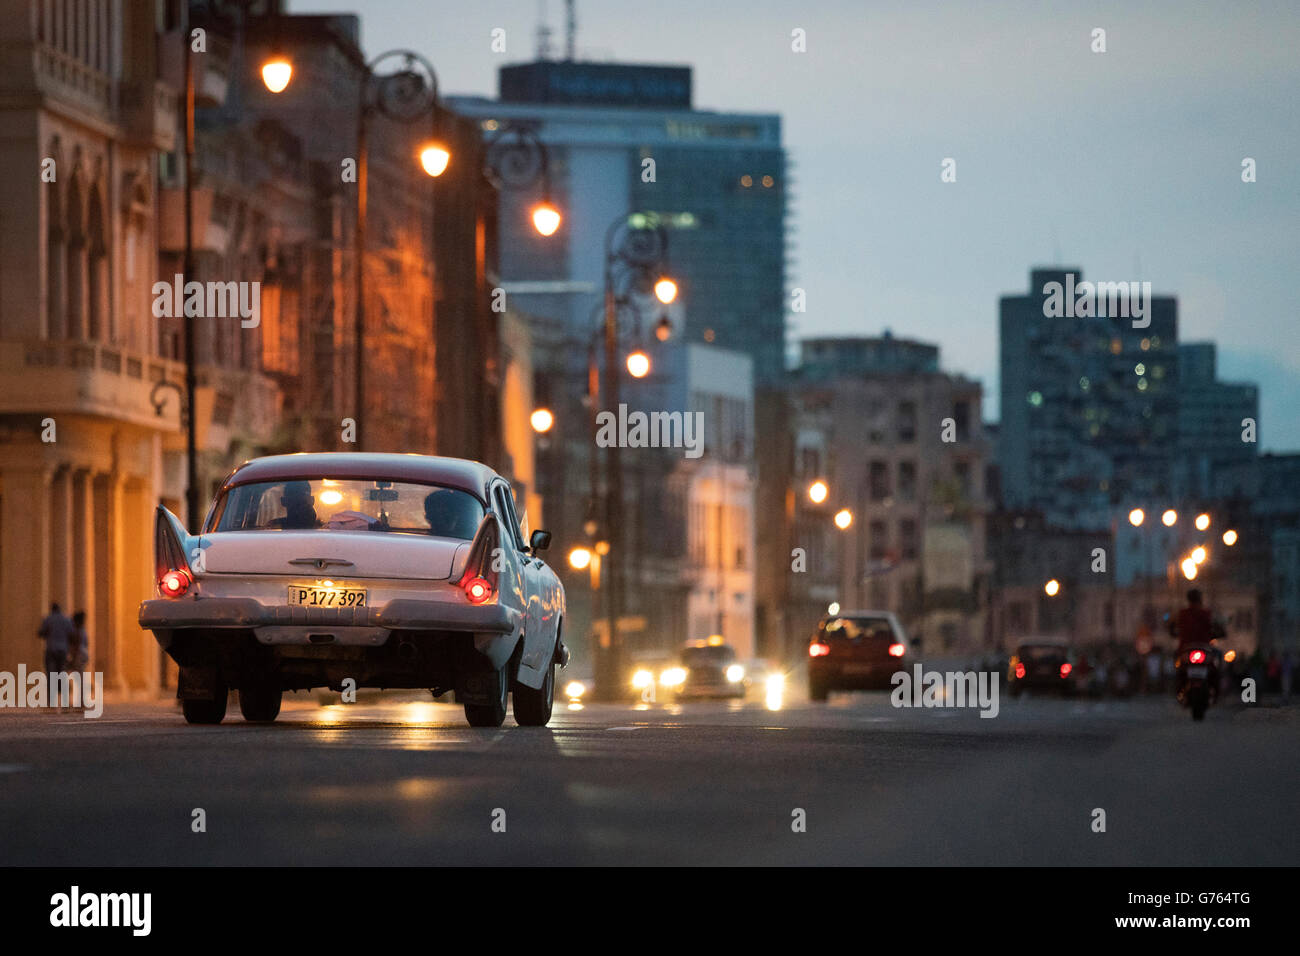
(389, 571)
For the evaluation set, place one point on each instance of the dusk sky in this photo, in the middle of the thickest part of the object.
(1126, 163)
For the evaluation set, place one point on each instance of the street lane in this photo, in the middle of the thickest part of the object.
(403, 780)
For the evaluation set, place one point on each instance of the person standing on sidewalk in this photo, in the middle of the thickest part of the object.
(57, 632)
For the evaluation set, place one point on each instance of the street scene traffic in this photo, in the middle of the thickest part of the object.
(566, 434)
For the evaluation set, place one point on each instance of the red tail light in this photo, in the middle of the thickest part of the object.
(1020, 671)
(174, 583)
(897, 650)
(1196, 657)
(818, 649)
(1065, 670)
(477, 590)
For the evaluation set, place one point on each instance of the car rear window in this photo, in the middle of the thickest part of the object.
(349, 504)
(874, 628)
(1041, 653)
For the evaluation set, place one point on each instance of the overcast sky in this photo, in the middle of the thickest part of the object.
(1125, 163)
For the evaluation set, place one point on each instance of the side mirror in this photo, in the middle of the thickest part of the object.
(539, 540)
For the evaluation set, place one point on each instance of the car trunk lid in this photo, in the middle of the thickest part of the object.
(335, 554)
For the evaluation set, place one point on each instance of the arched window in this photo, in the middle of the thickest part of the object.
(55, 252)
(99, 309)
(75, 327)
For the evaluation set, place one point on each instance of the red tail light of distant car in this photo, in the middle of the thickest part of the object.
(1065, 670)
(1197, 657)
(1020, 671)
(897, 650)
(818, 649)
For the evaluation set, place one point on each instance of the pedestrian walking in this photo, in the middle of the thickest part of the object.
(79, 656)
(57, 633)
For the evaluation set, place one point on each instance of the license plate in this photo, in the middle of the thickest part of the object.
(327, 597)
(1198, 672)
(858, 668)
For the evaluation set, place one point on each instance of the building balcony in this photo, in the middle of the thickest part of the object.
(149, 113)
(67, 78)
(85, 378)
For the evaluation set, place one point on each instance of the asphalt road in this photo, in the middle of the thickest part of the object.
(406, 781)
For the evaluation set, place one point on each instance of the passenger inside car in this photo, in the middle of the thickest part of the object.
(452, 514)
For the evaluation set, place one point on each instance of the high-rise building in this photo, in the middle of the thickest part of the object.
(625, 138)
(1212, 418)
(1089, 402)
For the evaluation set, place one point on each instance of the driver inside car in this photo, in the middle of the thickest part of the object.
(451, 514)
(299, 508)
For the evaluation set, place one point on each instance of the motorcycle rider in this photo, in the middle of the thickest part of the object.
(1194, 624)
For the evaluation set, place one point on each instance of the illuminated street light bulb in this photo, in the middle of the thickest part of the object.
(1198, 556)
(1189, 569)
(1052, 588)
(665, 290)
(843, 518)
(276, 73)
(1202, 522)
(1230, 537)
(579, 559)
(817, 492)
(1169, 517)
(1136, 517)
(638, 364)
(434, 158)
(833, 609)
(546, 218)
(542, 420)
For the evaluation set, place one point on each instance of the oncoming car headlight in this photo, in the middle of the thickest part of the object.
(735, 674)
(673, 677)
(642, 679)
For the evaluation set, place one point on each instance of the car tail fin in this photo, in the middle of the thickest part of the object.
(483, 553)
(169, 541)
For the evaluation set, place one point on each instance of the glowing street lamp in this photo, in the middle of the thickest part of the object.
(843, 519)
(1052, 588)
(638, 364)
(1199, 555)
(276, 73)
(1230, 537)
(434, 157)
(1202, 522)
(546, 218)
(542, 420)
(1169, 517)
(817, 492)
(1136, 517)
(1189, 569)
(580, 559)
(665, 290)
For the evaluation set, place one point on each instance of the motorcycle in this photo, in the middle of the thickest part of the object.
(1197, 677)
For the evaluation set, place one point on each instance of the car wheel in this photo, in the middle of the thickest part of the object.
(494, 714)
(533, 706)
(206, 711)
(259, 702)
(817, 690)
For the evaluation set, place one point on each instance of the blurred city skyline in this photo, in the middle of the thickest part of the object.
(1125, 164)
